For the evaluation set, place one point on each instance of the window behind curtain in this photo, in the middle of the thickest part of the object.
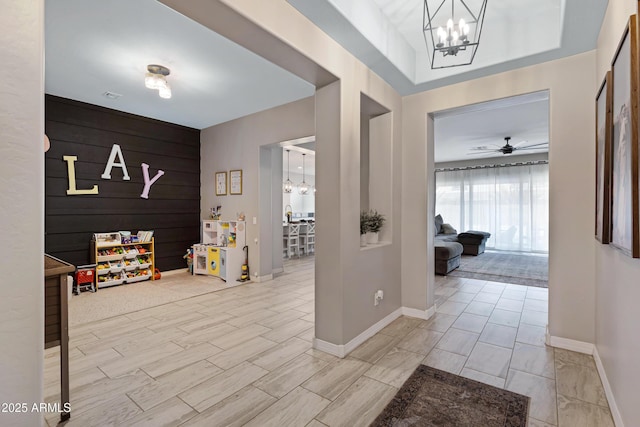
(510, 202)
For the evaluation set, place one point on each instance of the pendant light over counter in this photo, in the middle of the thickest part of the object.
(303, 187)
(287, 186)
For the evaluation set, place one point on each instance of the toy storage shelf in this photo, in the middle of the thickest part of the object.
(120, 263)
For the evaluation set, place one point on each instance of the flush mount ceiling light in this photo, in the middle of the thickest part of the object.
(452, 31)
(287, 187)
(303, 187)
(156, 78)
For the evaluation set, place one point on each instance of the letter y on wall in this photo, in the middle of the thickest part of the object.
(147, 183)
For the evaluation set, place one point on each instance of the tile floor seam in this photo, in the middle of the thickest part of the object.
(136, 403)
(376, 380)
(196, 411)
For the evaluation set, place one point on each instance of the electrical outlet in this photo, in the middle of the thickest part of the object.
(377, 297)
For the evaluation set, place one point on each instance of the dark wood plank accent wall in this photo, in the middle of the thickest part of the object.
(89, 132)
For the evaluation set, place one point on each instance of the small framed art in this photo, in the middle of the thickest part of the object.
(235, 181)
(221, 183)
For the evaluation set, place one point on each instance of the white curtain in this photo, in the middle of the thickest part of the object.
(510, 202)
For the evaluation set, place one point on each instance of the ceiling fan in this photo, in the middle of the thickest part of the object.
(508, 148)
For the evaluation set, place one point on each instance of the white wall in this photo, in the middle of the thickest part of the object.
(571, 82)
(21, 207)
(617, 283)
(236, 145)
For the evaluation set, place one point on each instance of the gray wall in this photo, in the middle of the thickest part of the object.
(236, 145)
(571, 290)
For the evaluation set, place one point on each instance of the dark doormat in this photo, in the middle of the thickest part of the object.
(529, 270)
(431, 397)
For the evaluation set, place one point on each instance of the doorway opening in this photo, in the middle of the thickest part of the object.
(297, 216)
(492, 194)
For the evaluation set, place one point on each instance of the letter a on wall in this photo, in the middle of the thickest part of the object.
(115, 151)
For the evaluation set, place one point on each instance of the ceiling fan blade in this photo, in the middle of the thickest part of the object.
(531, 148)
(533, 145)
(476, 153)
(486, 148)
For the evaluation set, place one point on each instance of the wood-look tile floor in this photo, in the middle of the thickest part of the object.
(243, 356)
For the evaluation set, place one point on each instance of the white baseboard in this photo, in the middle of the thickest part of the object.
(419, 314)
(588, 348)
(341, 350)
(573, 345)
(615, 413)
(327, 347)
(264, 278)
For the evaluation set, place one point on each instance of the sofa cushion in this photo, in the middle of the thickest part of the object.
(439, 221)
(446, 237)
(447, 250)
(447, 256)
(476, 233)
(448, 229)
(473, 237)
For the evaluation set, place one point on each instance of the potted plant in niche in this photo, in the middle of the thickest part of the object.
(364, 227)
(375, 222)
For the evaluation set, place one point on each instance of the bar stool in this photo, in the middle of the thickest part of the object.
(291, 240)
(308, 239)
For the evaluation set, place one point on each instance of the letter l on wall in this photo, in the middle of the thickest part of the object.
(71, 174)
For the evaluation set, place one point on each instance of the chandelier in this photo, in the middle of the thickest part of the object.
(287, 187)
(303, 187)
(156, 78)
(452, 31)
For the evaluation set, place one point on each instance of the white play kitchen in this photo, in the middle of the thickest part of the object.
(220, 252)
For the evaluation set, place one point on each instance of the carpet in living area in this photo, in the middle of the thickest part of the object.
(431, 397)
(519, 269)
(122, 299)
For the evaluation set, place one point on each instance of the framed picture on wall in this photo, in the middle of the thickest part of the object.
(221, 183)
(603, 160)
(624, 165)
(235, 181)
